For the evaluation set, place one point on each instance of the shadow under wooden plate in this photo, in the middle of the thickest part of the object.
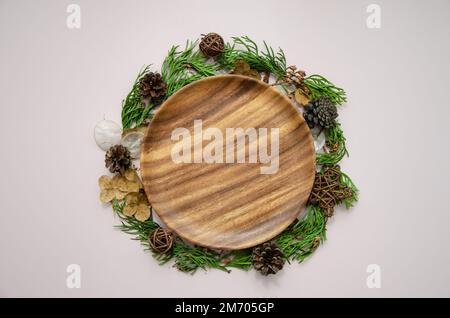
(228, 205)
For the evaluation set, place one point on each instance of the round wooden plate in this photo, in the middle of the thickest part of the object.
(228, 205)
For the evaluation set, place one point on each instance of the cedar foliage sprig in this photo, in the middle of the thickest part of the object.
(320, 86)
(134, 110)
(335, 140)
(262, 60)
(181, 68)
(348, 202)
(302, 238)
(240, 259)
(188, 259)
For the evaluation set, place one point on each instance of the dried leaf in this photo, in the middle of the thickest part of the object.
(254, 74)
(143, 198)
(142, 129)
(301, 97)
(241, 67)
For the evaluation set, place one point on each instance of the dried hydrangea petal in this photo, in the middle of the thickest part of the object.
(142, 213)
(107, 195)
(119, 195)
(130, 209)
(131, 175)
(104, 182)
(132, 198)
(130, 187)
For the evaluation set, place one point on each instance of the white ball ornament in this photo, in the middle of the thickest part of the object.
(107, 133)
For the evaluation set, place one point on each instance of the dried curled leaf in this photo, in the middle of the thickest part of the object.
(254, 74)
(301, 97)
(241, 67)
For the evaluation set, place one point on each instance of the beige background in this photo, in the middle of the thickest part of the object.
(57, 83)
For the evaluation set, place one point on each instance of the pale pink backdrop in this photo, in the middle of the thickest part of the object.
(56, 83)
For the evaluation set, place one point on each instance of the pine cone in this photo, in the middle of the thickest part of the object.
(320, 112)
(268, 258)
(152, 86)
(118, 159)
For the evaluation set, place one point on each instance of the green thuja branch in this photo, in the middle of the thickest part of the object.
(188, 259)
(184, 67)
(241, 259)
(345, 179)
(302, 238)
(320, 86)
(227, 59)
(262, 60)
(134, 110)
(336, 143)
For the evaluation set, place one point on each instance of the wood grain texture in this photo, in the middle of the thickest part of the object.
(228, 205)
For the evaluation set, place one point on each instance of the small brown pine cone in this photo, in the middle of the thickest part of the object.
(268, 258)
(118, 159)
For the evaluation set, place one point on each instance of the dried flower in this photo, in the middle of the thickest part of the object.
(117, 187)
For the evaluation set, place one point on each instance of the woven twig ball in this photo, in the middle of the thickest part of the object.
(328, 190)
(212, 44)
(160, 240)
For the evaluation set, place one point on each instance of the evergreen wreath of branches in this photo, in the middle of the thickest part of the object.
(184, 66)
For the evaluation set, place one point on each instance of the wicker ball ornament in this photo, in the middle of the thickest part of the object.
(212, 44)
(328, 190)
(160, 240)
